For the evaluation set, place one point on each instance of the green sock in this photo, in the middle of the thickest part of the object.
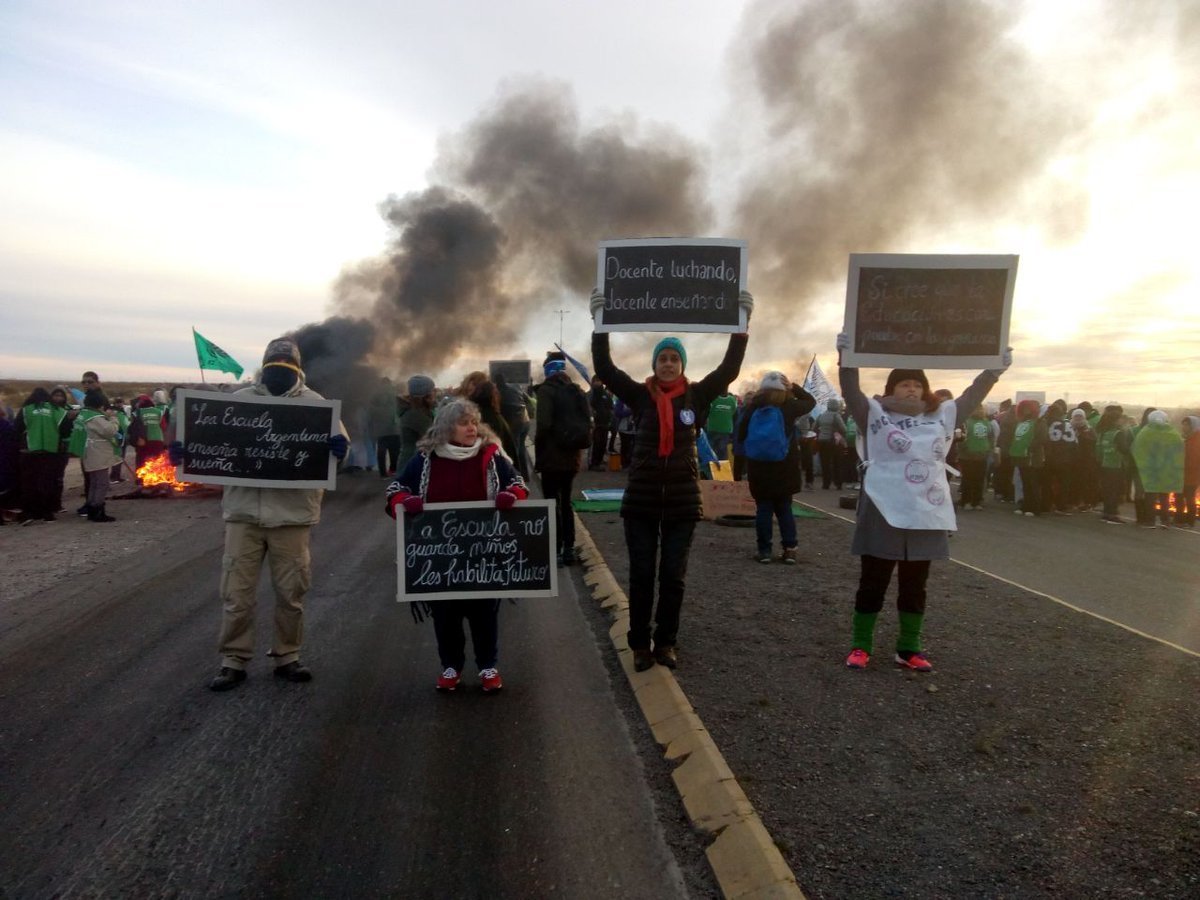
(910, 633)
(864, 631)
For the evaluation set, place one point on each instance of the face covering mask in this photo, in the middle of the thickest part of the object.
(278, 380)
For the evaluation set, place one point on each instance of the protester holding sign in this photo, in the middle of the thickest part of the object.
(459, 459)
(773, 460)
(272, 523)
(662, 504)
(905, 511)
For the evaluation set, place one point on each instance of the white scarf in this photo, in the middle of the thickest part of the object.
(455, 452)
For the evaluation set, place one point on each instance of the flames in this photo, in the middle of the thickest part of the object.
(158, 471)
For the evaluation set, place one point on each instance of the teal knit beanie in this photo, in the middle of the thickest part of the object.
(669, 343)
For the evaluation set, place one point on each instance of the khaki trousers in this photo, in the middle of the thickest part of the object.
(286, 551)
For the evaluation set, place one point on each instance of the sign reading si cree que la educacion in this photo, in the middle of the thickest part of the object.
(928, 311)
(256, 440)
(671, 284)
(473, 549)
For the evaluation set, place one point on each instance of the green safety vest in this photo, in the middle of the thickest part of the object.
(977, 436)
(151, 418)
(77, 443)
(720, 414)
(41, 426)
(851, 431)
(1106, 449)
(1022, 438)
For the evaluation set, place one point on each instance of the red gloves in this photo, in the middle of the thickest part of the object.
(412, 504)
(505, 500)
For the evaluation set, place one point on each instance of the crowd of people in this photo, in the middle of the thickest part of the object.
(54, 424)
(900, 451)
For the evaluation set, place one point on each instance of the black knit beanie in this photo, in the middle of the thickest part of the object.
(898, 375)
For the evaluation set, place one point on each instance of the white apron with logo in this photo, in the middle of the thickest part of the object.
(906, 466)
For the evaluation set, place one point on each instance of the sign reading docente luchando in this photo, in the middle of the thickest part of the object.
(257, 441)
(671, 284)
(451, 550)
(928, 311)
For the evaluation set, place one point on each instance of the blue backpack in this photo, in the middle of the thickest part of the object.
(766, 438)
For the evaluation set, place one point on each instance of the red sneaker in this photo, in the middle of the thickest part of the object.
(858, 659)
(489, 680)
(448, 680)
(917, 662)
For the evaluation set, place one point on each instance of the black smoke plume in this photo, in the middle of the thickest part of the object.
(507, 234)
(887, 127)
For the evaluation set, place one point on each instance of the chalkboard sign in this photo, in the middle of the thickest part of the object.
(256, 440)
(671, 284)
(451, 550)
(515, 371)
(935, 311)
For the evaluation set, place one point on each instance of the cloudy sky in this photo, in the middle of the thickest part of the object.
(444, 171)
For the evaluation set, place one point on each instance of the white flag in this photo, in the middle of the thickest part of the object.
(818, 385)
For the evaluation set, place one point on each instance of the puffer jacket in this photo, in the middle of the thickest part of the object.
(666, 487)
(275, 507)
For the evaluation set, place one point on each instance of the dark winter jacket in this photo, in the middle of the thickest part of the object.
(666, 487)
(553, 395)
(777, 480)
(602, 407)
(415, 420)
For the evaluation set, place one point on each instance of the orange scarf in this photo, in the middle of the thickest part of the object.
(663, 395)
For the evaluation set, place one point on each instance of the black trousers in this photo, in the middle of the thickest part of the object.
(830, 468)
(557, 486)
(644, 538)
(599, 445)
(483, 615)
(387, 453)
(877, 575)
(974, 471)
(1031, 488)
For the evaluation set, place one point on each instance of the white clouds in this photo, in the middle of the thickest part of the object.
(226, 159)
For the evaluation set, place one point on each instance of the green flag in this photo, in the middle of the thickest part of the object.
(213, 357)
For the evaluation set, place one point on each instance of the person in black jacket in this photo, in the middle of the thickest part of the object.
(602, 416)
(662, 502)
(772, 483)
(557, 463)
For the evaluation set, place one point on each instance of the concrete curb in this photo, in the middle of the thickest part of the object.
(743, 856)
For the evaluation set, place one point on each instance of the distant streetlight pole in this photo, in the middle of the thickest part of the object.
(561, 313)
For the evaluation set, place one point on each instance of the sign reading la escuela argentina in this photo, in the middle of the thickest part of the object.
(671, 284)
(940, 311)
(256, 440)
(473, 549)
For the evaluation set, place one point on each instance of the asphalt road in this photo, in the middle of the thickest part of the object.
(121, 776)
(1147, 579)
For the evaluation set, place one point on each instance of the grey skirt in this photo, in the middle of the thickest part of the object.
(873, 536)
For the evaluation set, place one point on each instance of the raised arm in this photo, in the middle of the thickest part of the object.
(980, 387)
(617, 381)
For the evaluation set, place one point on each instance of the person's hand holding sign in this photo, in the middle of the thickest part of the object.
(338, 445)
(746, 302)
(176, 453)
(597, 301)
(1005, 362)
(412, 504)
(505, 500)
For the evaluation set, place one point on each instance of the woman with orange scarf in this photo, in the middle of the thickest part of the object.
(661, 505)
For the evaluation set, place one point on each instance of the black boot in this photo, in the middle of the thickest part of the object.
(97, 514)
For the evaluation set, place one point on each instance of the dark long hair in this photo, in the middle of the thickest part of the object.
(37, 395)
